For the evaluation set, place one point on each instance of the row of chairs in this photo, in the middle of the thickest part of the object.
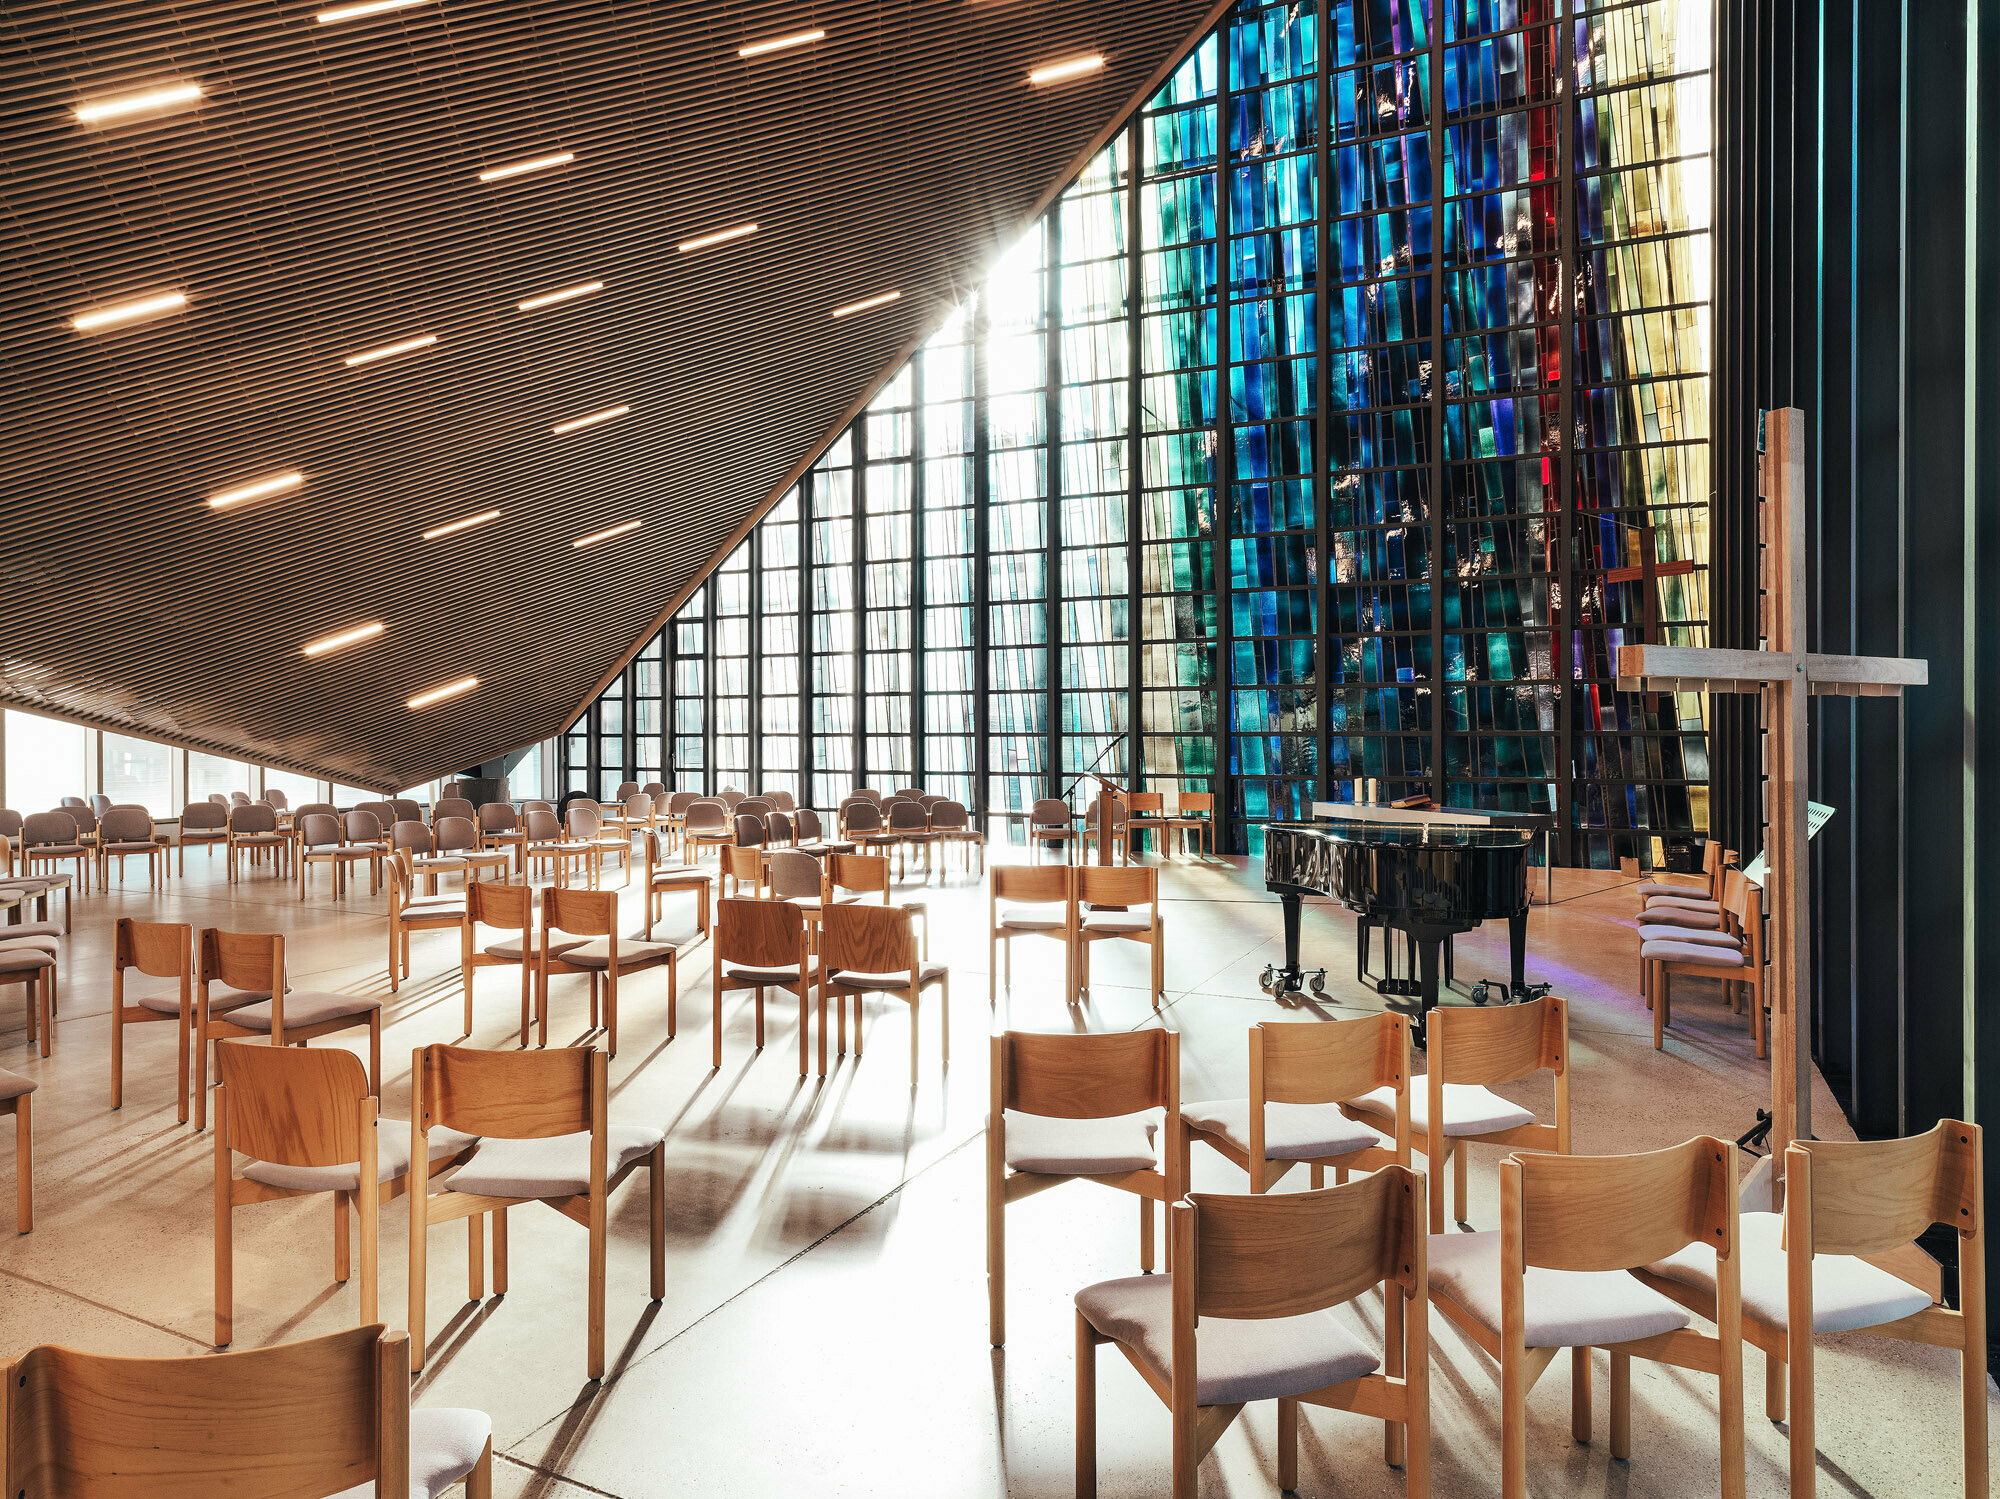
(1709, 928)
(1077, 906)
(1052, 823)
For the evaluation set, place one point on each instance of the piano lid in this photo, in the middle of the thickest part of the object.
(1536, 822)
(1379, 833)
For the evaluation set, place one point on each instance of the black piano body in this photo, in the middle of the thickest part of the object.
(1426, 877)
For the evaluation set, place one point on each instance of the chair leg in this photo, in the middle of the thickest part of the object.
(499, 1251)
(479, 1482)
(24, 1163)
(1804, 1447)
(1086, 1410)
(1288, 1445)
(657, 1186)
(1458, 1207)
(369, 1204)
(419, 1287)
(595, 1357)
(1621, 1405)
(1579, 1395)
(1774, 1388)
(1513, 1425)
(225, 1288)
(1145, 1235)
(341, 1235)
(1440, 1157)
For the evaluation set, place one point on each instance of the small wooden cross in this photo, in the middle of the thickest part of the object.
(1785, 675)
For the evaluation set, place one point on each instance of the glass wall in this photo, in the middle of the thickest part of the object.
(138, 772)
(208, 774)
(1338, 424)
(45, 762)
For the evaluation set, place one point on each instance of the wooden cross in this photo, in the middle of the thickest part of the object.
(1785, 676)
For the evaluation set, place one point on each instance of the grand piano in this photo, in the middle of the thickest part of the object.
(1428, 874)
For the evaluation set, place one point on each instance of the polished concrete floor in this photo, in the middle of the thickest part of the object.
(823, 1330)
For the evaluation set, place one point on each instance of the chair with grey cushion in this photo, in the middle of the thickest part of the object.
(458, 838)
(364, 832)
(762, 945)
(51, 840)
(604, 956)
(664, 878)
(729, 796)
(71, 801)
(383, 809)
(276, 798)
(868, 949)
(100, 803)
(10, 829)
(625, 789)
(655, 788)
(705, 824)
(239, 798)
(31, 963)
(220, 798)
(544, 842)
(454, 806)
(201, 823)
(1101, 1107)
(952, 824)
(122, 833)
(545, 1135)
(253, 832)
(812, 836)
(17, 1098)
(243, 992)
(318, 841)
(909, 824)
(500, 829)
(305, 1123)
(407, 809)
(1246, 1315)
(1050, 820)
(586, 827)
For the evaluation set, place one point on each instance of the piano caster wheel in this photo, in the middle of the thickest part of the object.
(1318, 983)
(1483, 991)
(1267, 980)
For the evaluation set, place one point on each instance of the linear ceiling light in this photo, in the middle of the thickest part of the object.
(439, 694)
(256, 489)
(577, 424)
(139, 310)
(567, 294)
(145, 101)
(534, 164)
(720, 237)
(606, 534)
(327, 644)
(1075, 67)
(368, 8)
(451, 528)
(862, 306)
(780, 43)
(389, 351)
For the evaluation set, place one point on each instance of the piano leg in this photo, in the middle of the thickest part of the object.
(1427, 958)
(1283, 981)
(1517, 950)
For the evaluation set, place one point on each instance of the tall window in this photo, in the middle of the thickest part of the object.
(208, 774)
(298, 789)
(139, 772)
(778, 647)
(731, 658)
(689, 637)
(833, 623)
(45, 761)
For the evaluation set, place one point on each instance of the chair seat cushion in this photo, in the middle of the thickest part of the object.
(510, 950)
(1565, 1308)
(434, 905)
(739, 973)
(1468, 1108)
(30, 929)
(681, 879)
(306, 1007)
(854, 978)
(633, 952)
(445, 1445)
(1083, 1147)
(1683, 903)
(135, 847)
(1698, 935)
(1235, 1359)
(1707, 955)
(17, 960)
(11, 943)
(1115, 921)
(1848, 1292)
(221, 1000)
(392, 1159)
(13, 1085)
(1292, 1131)
(56, 851)
(554, 1166)
(1031, 916)
(1674, 890)
(819, 850)
(1708, 921)
(265, 838)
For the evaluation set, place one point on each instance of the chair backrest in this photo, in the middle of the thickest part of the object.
(384, 811)
(638, 806)
(627, 788)
(455, 834)
(71, 801)
(457, 806)
(1189, 802)
(729, 796)
(1050, 812)
(220, 798)
(126, 825)
(99, 803)
(1500, 1043)
(319, 829)
(277, 798)
(1115, 804)
(785, 800)
(293, 1421)
(1033, 883)
(450, 788)
(361, 826)
(778, 828)
(761, 806)
(203, 817)
(162, 949)
(414, 837)
(809, 825)
(680, 801)
(236, 799)
(1331, 1061)
(508, 1095)
(861, 815)
(862, 873)
(914, 793)
(585, 821)
(907, 816)
(10, 823)
(869, 793)
(1867, 1196)
(707, 816)
(41, 828)
(1619, 1212)
(793, 874)
(581, 913)
(1149, 802)
(744, 861)
(654, 788)
(83, 817)
(949, 816)
(1086, 1075)
(1118, 885)
(749, 829)
(242, 960)
(531, 804)
(1284, 1254)
(498, 817)
(663, 804)
(496, 904)
(294, 1105)
(406, 809)
(541, 825)
(868, 939)
(253, 817)
(307, 808)
(759, 933)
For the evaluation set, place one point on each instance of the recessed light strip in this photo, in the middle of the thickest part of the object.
(577, 424)
(533, 164)
(256, 489)
(567, 294)
(853, 307)
(453, 527)
(370, 8)
(439, 694)
(780, 43)
(720, 237)
(146, 101)
(329, 643)
(1074, 67)
(606, 534)
(116, 313)
(389, 351)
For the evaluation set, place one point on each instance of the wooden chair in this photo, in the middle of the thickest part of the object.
(1246, 1315)
(863, 875)
(541, 1118)
(1554, 1277)
(811, 839)
(871, 950)
(909, 825)
(1472, 1050)
(951, 824)
(243, 993)
(318, 839)
(52, 839)
(1121, 828)
(705, 824)
(759, 945)
(17, 1098)
(664, 879)
(603, 954)
(1698, 908)
(308, 1125)
(1740, 969)
(1707, 887)
(253, 832)
(509, 908)
(410, 912)
(1300, 1074)
(1803, 1273)
(161, 950)
(500, 831)
(1098, 1106)
(1050, 821)
(545, 842)
(741, 862)
(1147, 813)
(1106, 886)
(1041, 903)
(125, 833)
(587, 828)
(31, 964)
(201, 823)
(295, 1421)
(1184, 821)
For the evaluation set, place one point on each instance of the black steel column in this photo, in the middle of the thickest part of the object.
(919, 586)
(1052, 481)
(710, 783)
(1223, 515)
(1135, 463)
(982, 562)
(1564, 846)
(1440, 252)
(754, 546)
(857, 496)
(1322, 423)
(808, 482)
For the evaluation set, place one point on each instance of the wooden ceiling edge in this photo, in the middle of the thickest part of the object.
(1210, 20)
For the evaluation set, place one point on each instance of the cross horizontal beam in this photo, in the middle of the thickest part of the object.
(1682, 668)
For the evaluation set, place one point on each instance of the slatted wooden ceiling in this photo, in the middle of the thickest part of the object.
(323, 200)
